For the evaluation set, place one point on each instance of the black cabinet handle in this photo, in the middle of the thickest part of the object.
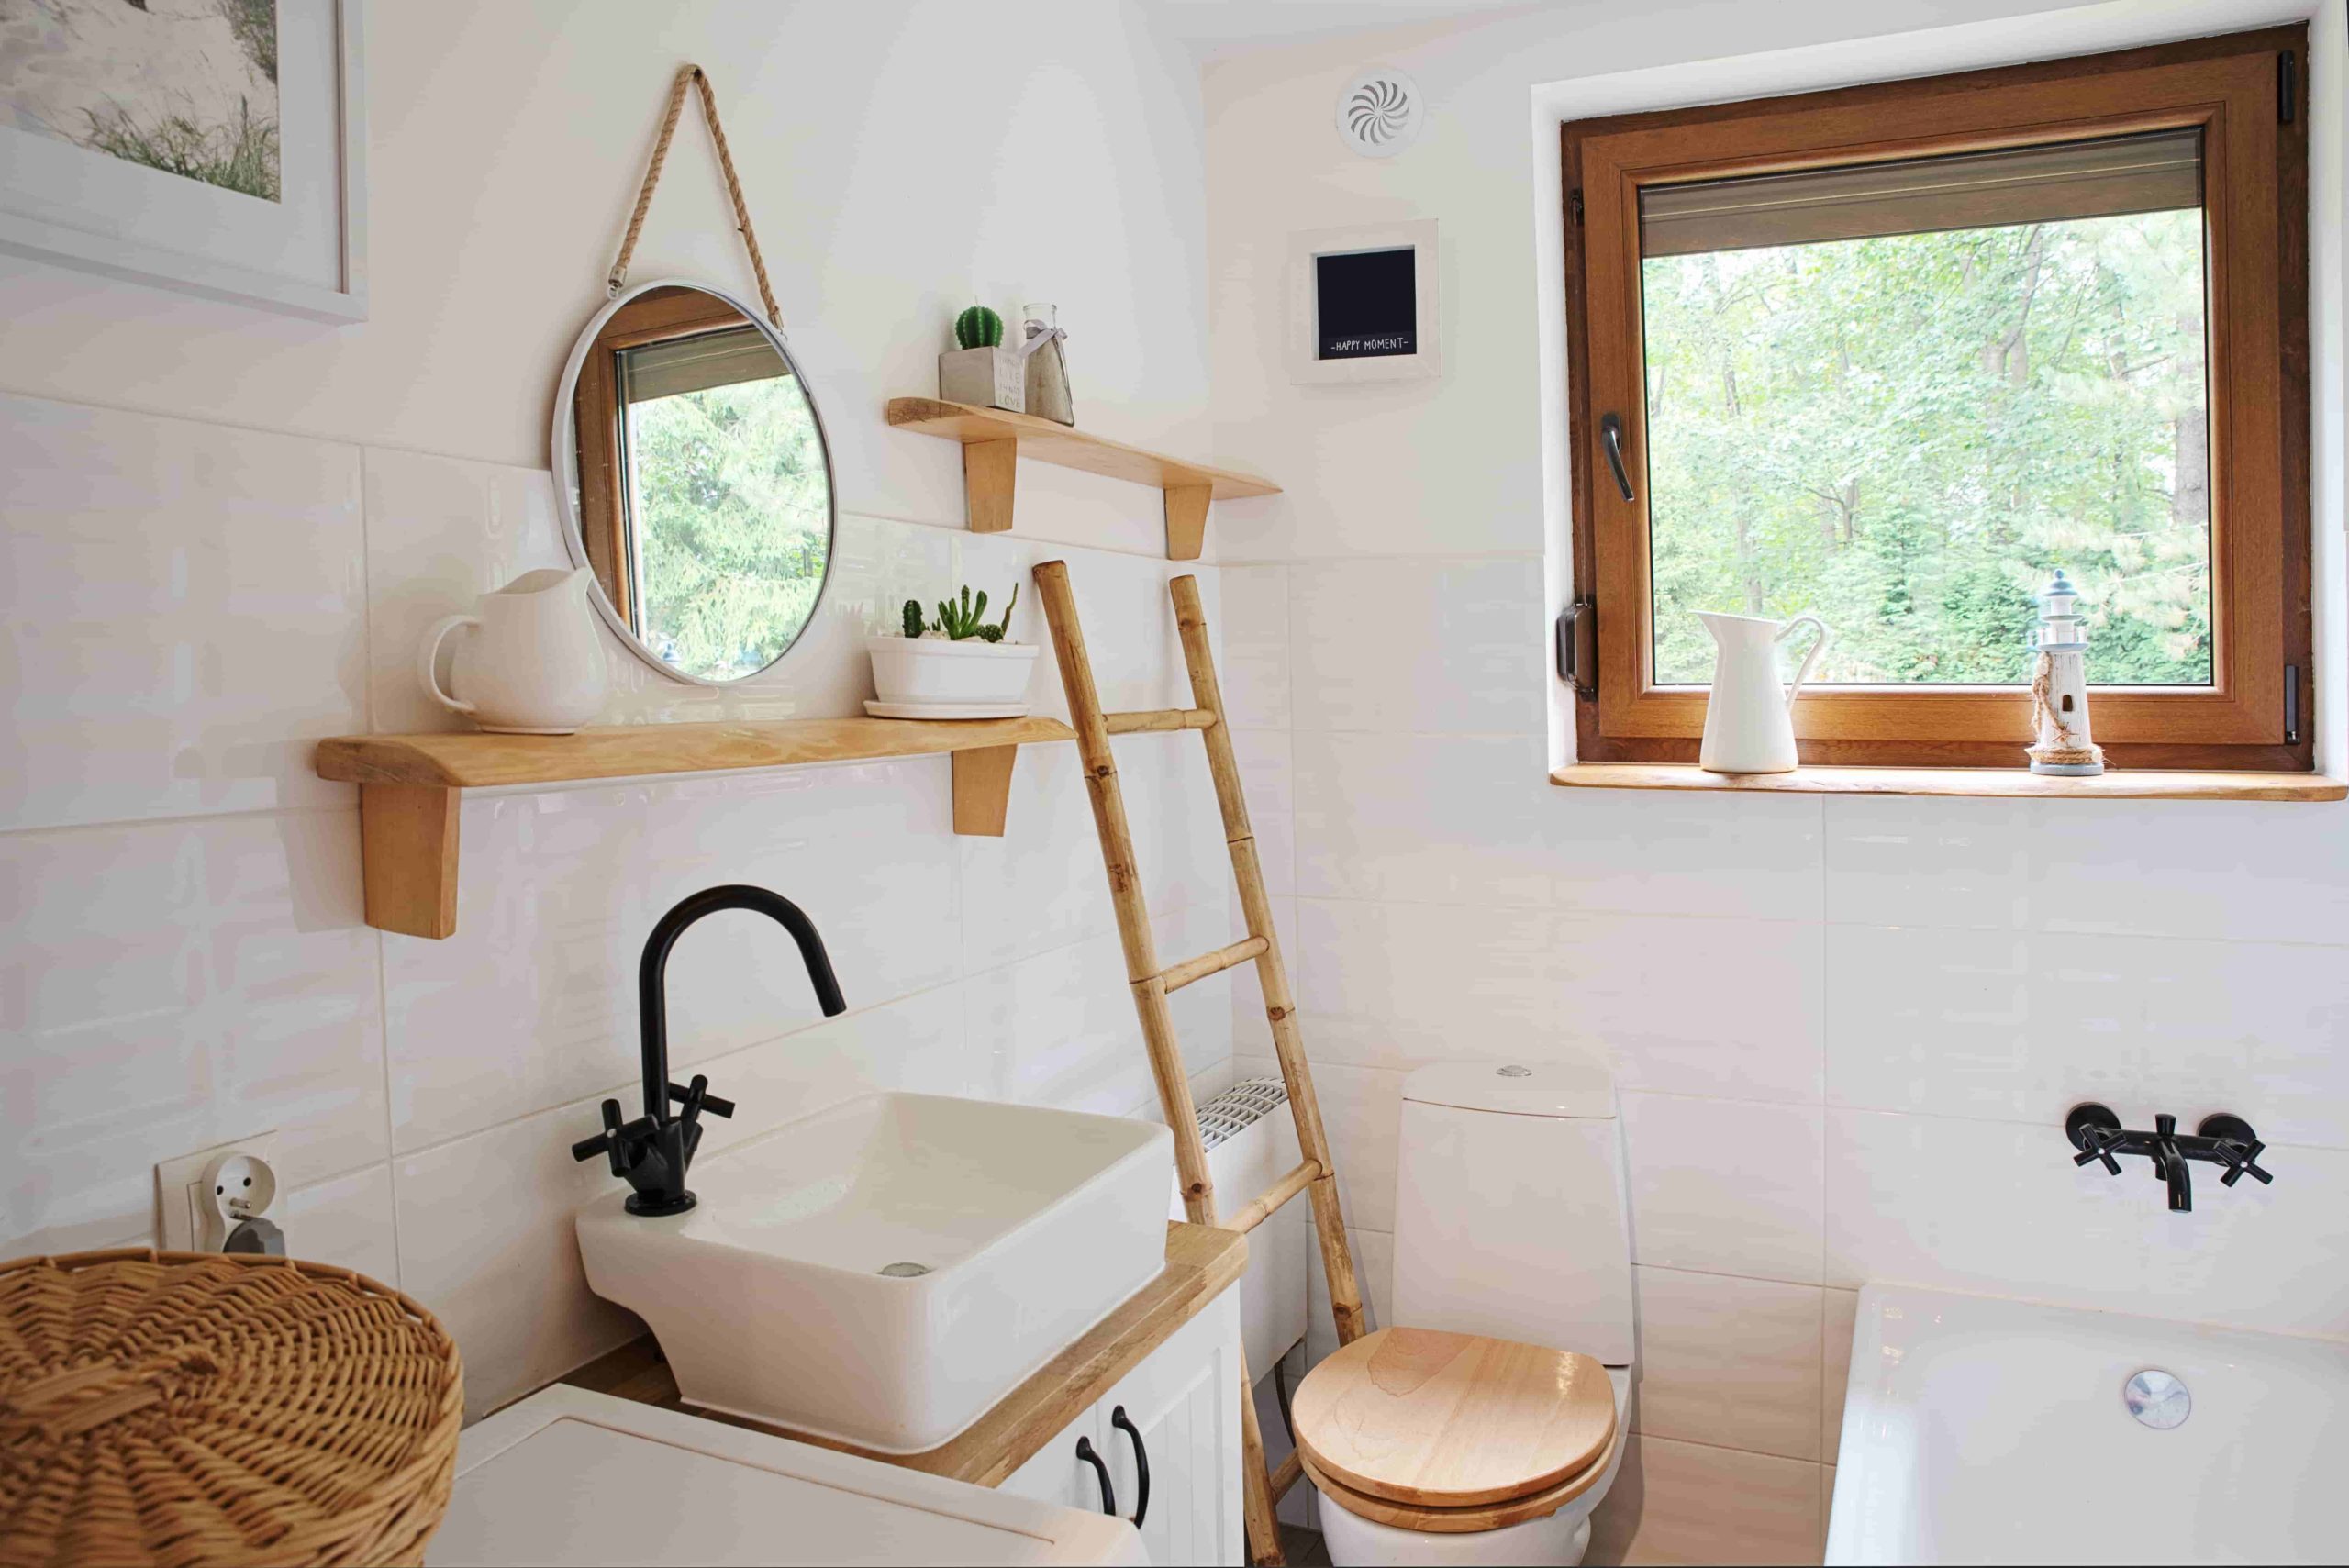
(1610, 431)
(1119, 1420)
(1085, 1451)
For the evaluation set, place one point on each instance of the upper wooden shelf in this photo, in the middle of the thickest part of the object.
(409, 784)
(993, 440)
(2142, 784)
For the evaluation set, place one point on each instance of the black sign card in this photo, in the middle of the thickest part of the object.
(1367, 305)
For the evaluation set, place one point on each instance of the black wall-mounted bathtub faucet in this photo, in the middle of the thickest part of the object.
(2221, 1138)
(653, 1153)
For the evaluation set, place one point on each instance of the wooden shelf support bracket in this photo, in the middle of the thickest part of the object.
(408, 849)
(1186, 520)
(982, 790)
(990, 472)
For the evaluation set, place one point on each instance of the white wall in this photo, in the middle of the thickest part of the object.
(1846, 1030)
(224, 532)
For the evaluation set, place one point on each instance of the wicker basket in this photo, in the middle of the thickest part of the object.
(188, 1407)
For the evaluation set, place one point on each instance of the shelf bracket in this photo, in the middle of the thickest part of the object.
(407, 848)
(990, 469)
(1186, 520)
(982, 790)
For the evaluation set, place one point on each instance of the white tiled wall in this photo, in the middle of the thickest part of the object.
(182, 955)
(1846, 1030)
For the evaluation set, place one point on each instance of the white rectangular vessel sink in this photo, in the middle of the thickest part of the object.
(882, 1272)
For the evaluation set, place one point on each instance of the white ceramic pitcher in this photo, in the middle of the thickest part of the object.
(534, 665)
(1749, 718)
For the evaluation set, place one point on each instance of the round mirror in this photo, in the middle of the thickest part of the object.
(694, 479)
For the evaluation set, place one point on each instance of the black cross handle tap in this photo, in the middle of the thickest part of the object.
(2220, 1139)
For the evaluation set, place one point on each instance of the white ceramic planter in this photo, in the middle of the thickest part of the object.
(932, 671)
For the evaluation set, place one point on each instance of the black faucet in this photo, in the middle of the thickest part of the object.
(2220, 1139)
(653, 1151)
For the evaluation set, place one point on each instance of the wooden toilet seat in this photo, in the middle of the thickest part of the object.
(1426, 1429)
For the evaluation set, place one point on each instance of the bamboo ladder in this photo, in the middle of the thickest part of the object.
(1150, 982)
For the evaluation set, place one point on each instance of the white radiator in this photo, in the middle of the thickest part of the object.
(1252, 1143)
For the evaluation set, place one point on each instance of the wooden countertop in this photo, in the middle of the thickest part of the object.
(1201, 1261)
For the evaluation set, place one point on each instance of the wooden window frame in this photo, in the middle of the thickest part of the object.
(2233, 88)
(657, 316)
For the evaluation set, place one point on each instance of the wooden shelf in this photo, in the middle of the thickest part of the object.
(993, 441)
(409, 784)
(1201, 1262)
(2142, 784)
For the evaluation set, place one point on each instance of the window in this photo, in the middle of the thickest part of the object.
(1893, 355)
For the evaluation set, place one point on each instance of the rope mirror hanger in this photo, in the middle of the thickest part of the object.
(689, 76)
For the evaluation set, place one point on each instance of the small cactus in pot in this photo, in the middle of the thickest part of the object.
(962, 619)
(968, 620)
(955, 665)
(978, 328)
(980, 371)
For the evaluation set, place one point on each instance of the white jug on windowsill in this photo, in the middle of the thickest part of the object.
(1749, 718)
(534, 665)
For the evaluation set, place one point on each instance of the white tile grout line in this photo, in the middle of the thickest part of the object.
(1829, 1107)
(1824, 1029)
(1380, 558)
(1645, 1436)
(1142, 516)
(188, 818)
(1827, 922)
(382, 981)
(397, 1154)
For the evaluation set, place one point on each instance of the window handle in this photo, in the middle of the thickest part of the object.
(1610, 430)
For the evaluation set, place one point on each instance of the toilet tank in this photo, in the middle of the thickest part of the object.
(1509, 1213)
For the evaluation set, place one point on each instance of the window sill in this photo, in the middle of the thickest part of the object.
(2140, 785)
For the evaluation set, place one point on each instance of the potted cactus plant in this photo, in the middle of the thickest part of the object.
(979, 370)
(954, 664)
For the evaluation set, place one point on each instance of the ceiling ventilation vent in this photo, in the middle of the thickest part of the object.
(1380, 113)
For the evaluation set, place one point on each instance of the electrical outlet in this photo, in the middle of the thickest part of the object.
(188, 1214)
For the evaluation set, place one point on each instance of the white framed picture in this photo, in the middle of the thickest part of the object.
(216, 147)
(1363, 304)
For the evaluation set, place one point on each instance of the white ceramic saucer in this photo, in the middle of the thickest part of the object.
(946, 709)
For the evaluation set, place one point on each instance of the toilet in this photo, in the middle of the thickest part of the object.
(1488, 1420)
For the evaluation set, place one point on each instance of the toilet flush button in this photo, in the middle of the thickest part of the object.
(1513, 1072)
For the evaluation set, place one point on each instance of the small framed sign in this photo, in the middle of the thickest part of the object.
(1363, 303)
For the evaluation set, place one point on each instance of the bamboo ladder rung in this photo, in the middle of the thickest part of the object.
(1291, 1471)
(1268, 1203)
(1191, 970)
(1153, 720)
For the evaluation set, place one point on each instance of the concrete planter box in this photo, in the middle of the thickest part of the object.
(984, 378)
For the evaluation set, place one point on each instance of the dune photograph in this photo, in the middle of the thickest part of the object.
(188, 87)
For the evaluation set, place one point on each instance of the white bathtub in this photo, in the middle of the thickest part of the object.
(1979, 1431)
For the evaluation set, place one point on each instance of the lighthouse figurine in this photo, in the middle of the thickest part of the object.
(2059, 688)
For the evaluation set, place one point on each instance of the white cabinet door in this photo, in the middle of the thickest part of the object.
(1181, 1409)
(1056, 1474)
